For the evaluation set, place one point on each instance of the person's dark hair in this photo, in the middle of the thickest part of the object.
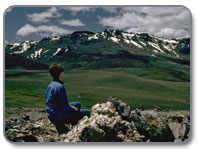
(55, 70)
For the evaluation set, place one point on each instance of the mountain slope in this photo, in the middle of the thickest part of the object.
(14, 61)
(111, 48)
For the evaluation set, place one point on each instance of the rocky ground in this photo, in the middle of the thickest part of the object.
(113, 121)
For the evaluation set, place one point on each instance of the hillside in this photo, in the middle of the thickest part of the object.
(108, 49)
(139, 87)
(14, 61)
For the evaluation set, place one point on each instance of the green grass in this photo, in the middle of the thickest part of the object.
(139, 87)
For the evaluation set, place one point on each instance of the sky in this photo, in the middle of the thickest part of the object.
(35, 23)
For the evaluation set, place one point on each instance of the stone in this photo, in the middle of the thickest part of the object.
(152, 127)
(113, 121)
(26, 117)
(121, 107)
(180, 126)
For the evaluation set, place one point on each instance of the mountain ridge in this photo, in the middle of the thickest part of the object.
(81, 47)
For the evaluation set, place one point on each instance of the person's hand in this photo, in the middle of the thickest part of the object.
(75, 108)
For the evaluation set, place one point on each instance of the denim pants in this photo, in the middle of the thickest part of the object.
(77, 115)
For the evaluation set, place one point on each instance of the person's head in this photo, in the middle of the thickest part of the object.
(56, 71)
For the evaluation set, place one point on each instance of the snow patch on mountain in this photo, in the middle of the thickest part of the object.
(155, 51)
(36, 54)
(46, 51)
(170, 41)
(58, 50)
(128, 35)
(93, 37)
(136, 44)
(14, 45)
(24, 46)
(156, 47)
(153, 55)
(103, 35)
(54, 38)
(114, 39)
(127, 38)
(171, 48)
(176, 54)
(66, 50)
(18, 52)
(127, 41)
(143, 43)
(167, 47)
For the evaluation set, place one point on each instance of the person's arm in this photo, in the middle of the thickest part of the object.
(62, 96)
(75, 108)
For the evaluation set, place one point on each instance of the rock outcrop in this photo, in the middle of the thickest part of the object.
(112, 121)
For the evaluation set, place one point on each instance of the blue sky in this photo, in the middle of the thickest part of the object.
(35, 23)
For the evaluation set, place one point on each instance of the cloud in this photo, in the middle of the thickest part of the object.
(174, 33)
(124, 21)
(75, 10)
(168, 22)
(44, 16)
(42, 30)
(73, 22)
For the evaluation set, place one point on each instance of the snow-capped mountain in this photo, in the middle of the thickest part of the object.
(85, 45)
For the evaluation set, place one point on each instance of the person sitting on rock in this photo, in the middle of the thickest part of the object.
(58, 108)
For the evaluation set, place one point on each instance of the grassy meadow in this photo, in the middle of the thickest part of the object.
(139, 87)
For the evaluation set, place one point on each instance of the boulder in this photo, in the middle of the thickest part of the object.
(151, 126)
(180, 126)
(121, 107)
(104, 125)
(113, 121)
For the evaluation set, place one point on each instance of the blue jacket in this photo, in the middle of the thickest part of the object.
(57, 105)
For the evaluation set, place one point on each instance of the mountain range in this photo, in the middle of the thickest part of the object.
(107, 49)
